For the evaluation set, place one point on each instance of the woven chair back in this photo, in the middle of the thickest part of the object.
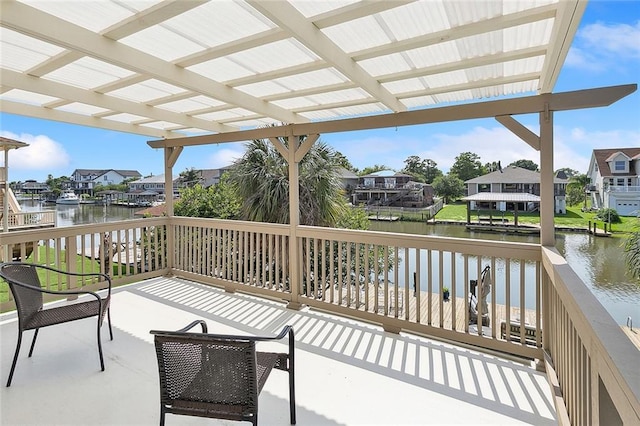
(28, 301)
(211, 371)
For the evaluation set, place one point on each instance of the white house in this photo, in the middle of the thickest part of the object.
(151, 184)
(84, 181)
(615, 180)
(514, 180)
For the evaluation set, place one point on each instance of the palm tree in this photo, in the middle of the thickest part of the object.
(261, 178)
(632, 253)
(582, 182)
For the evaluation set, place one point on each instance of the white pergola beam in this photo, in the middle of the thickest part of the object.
(566, 24)
(476, 28)
(141, 20)
(35, 23)
(464, 64)
(75, 94)
(588, 98)
(520, 131)
(35, 111)
(286, 16)
(355, 11)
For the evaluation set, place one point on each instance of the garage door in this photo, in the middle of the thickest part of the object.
(627, 208)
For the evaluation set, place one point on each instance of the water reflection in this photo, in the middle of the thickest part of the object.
(598, 261)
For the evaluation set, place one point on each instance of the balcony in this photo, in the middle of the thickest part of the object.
(25, 220)
(364, 345)
(624, 188)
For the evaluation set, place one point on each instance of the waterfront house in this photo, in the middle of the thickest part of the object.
(198, 73)
(615, 180)
(389, 188)
(84, 181)
(514, 180)
(151, 183)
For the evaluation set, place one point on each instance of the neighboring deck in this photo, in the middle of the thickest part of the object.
(348, 372)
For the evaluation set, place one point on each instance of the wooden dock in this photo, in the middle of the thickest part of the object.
(430, 308)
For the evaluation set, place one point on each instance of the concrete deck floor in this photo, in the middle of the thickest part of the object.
(347, 372)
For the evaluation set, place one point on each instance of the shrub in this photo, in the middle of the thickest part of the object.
(608, 215)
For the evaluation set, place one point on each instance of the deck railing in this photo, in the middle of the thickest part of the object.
(23, 220)
(593, 363)
(548, 312)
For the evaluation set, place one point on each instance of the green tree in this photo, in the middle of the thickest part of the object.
(56, 185)
(449, 187)
(467, 166)
(422, 170)
(217, 201)
(568, 171)
(581, 182)
(261, 178)
(343, 161)
(190, 177)
(372, 169)
(574, 195)
(632, 253)
(525, 164)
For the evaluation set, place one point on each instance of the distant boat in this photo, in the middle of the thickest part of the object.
(69, 198)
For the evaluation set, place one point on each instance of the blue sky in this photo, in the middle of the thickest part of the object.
(605, 52)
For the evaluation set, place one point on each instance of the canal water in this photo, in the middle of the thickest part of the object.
(599, 261)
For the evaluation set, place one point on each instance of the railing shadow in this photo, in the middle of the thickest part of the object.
(484, 380)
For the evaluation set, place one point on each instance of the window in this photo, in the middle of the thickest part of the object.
(619, 166)
(620, 182)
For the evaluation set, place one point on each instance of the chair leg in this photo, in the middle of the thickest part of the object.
(292, 395)
(100, 346)
(109, 321)
(33, 342)
(15, 359)
(292, 377)
(161, 415)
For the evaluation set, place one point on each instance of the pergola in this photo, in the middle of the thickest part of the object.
(199, 72)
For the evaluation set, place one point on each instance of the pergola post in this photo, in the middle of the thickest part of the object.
(547, 203)
(171, 155)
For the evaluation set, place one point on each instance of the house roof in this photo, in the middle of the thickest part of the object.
(99, 172)
(346, 173)
(512, 174)
(152, 179)
(510, 197)
(169, 69)
(601, 157)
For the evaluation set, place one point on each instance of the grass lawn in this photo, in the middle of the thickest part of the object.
(575, 218)
(83, 265)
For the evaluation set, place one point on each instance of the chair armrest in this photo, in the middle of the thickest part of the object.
(58, 271)
(287, 330)
(202, 323)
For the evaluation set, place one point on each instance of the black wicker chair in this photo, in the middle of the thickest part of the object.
(28, 293)
(217, 376)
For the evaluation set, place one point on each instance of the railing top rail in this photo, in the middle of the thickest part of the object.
(601, 336)
(240, 225)
(17, 237)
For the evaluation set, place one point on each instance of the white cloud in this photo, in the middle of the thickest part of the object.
(43, 153)
(603, 47)
(572, 147)
(616, 40)
(223, 157)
